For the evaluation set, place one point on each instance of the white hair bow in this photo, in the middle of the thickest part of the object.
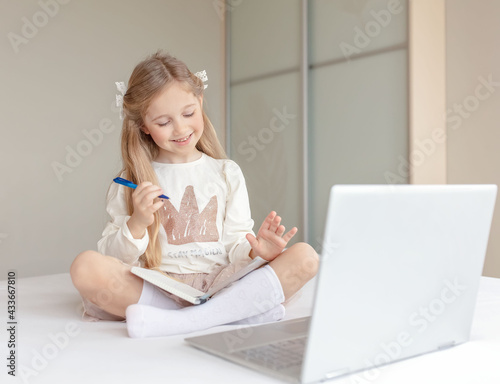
(122, 88)
(202, 75)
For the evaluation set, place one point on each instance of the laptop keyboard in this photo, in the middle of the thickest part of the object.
(277, 356)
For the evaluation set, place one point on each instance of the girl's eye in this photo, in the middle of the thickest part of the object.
(168, 122)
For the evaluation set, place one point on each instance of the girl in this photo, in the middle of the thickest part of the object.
(199, 236)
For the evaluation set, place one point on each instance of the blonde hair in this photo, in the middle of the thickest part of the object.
(148, 79)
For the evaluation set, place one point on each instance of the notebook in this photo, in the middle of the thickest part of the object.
(398, 277)
(187, 292)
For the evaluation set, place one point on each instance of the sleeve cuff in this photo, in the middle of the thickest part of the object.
(141, 243)
(240, 252)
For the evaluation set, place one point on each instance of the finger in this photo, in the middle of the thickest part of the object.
(158, 205)
(142, 189)
(150, 188)
(148, 192)
(146, 187)
(143, 185)
(291, 233)
(267, 221)
(275, 224)
(281, 230)
(153, 193)
(254, 243)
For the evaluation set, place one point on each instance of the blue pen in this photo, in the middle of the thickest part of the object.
(129, 184)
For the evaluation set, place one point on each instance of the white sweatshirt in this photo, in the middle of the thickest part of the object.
(204, 222)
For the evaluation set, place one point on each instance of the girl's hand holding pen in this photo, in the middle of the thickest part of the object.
(143, 200)
(127, 183)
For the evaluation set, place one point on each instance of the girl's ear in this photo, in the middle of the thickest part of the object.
(145, 130)
(201, 101)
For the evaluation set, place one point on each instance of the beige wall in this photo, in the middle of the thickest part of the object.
(473, 102)
(427, 92)
(455, 103)
(59, 62)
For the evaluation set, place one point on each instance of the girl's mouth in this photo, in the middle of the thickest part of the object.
(184, 139)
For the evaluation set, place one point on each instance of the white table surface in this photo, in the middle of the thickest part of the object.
(55, 346)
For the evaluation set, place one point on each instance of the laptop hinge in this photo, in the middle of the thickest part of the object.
(336, 373)
(448, 344)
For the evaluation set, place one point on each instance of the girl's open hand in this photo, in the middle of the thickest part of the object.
(270, 240)
(144, 208)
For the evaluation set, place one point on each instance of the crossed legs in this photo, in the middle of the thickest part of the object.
(106, 282)
(109, 284)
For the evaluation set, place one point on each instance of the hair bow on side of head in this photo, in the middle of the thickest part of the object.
(202, 75)
(122, 88)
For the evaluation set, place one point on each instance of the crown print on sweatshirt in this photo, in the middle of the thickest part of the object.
(189, 225)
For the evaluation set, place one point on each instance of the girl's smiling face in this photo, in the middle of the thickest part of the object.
(175, 122)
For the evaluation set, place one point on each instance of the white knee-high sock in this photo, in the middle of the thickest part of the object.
(275, 314)
(152, 296)
(256, 293)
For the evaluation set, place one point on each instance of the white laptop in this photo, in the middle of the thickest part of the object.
(398, 277)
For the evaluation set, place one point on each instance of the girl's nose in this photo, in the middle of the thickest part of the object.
(178, 129)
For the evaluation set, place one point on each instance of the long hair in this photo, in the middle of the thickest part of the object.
(148, 79)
